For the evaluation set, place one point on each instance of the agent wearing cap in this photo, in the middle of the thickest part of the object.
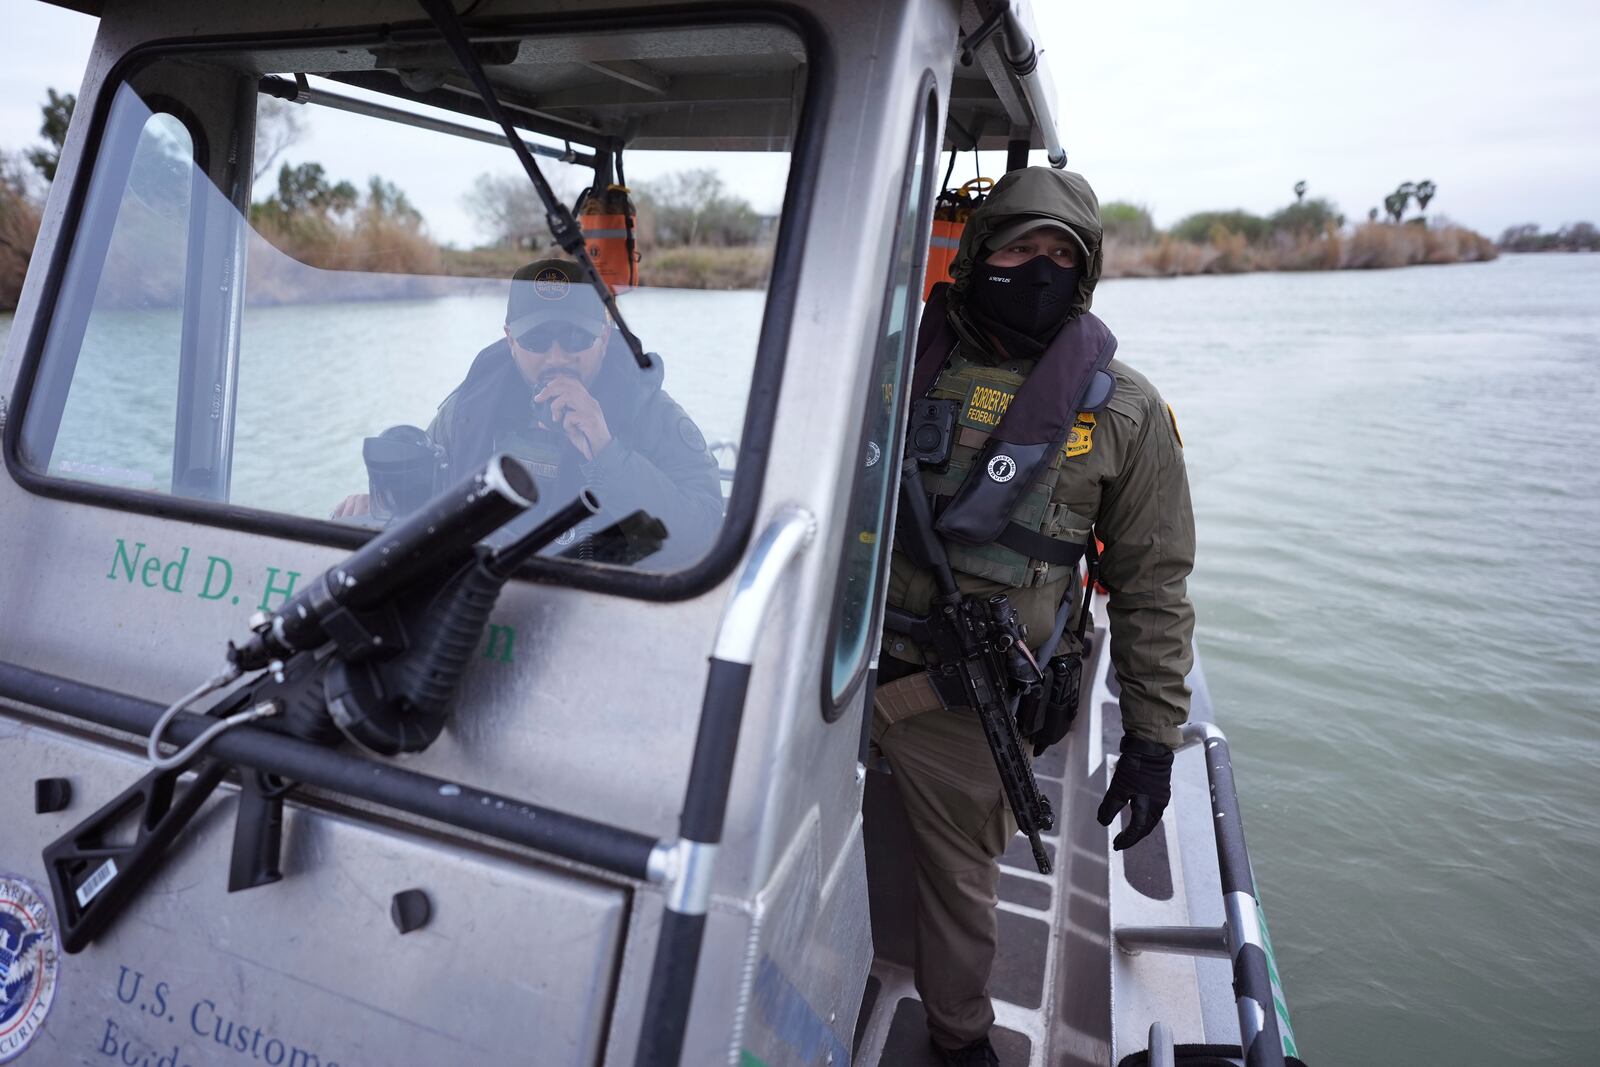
(561, 392)
(996, 342)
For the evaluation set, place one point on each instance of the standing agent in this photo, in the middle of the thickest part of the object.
(558, 394)
(1024, 276)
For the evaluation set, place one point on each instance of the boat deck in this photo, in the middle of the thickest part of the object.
(1062, 996)
(1051, 926)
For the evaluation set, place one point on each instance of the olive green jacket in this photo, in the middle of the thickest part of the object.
(1129, 483)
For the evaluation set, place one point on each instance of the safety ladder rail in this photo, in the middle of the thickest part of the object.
(1240, 937)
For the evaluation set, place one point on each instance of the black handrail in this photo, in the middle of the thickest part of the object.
(503, 818)
(1259, 1037)
(1241, 937)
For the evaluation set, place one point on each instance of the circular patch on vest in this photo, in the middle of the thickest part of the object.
(691, 435)
(551, 284)
(30, 955)
(874, 453)
(1002, 468)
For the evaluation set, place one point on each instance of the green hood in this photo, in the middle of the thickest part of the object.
(1058, 195)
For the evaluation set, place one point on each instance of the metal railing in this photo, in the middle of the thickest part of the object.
(1240, 937)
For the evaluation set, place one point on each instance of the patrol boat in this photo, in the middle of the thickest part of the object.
(636, 825)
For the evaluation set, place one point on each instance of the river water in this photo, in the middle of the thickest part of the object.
(1398, 589)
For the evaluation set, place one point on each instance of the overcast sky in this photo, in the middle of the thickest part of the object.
(1181, 106)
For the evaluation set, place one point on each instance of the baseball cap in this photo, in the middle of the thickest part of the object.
(1021, 224)
(552, 290)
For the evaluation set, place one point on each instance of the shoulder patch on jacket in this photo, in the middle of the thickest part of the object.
(691, 435)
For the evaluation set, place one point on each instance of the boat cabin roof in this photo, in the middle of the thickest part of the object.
(706, 87)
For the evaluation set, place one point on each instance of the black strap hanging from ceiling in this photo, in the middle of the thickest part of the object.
(563, 227)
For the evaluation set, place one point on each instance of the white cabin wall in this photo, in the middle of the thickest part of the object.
(809, 763)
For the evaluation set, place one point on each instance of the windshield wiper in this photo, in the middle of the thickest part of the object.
(563, 227)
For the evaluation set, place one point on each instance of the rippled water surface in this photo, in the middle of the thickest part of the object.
(1398, 587)
(1398, 500)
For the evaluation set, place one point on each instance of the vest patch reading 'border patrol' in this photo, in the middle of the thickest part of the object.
(985, 403)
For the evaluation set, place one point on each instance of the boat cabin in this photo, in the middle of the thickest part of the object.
(277, 264)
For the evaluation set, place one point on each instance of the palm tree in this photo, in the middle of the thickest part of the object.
(1424, 192)
(1372, 215)
(1300, 188)
(1395, 203)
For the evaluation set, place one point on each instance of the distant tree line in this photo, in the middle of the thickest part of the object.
(684, 209)
(1574, 237)
(1132, 223)
(1300, 220)
(1307, 234)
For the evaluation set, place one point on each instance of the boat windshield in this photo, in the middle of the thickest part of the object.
(315, 282)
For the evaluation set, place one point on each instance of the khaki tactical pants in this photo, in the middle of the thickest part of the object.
(960, 825)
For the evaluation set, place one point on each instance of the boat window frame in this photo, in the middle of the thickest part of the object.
(932, 137)
(799, 200)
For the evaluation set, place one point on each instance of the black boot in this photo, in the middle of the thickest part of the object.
(978, 1054)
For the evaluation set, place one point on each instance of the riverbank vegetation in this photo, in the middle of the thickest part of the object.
(1574, 237)
(1304, 235)
(693, 232)
(19, 226)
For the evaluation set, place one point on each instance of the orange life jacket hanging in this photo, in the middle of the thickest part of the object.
(607, 219)
(950, 216)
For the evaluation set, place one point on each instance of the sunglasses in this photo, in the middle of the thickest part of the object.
(570, 337)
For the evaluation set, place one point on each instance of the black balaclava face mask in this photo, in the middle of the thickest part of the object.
(1030, 302)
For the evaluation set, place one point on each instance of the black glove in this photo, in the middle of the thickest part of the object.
(1144, 776)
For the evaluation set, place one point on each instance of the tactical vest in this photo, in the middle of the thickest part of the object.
(984, 392)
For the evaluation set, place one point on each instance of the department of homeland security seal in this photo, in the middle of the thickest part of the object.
(30, 953)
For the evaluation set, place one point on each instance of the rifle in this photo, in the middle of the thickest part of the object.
(982, 657)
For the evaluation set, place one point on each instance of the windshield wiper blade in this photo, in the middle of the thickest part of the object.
(563, 227)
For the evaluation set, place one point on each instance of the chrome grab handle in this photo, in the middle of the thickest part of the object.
(791, 530)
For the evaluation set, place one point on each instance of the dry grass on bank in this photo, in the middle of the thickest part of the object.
(376, 259)
(394, 262)
(1369, 246)
(706, 267)
(484, 262)
(690, 267)
(19, 228)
